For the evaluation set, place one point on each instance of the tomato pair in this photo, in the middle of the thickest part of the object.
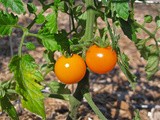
(72, 70)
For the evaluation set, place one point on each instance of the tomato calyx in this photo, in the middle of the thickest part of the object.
(100, 42)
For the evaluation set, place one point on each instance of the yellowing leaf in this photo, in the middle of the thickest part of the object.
(27, 83)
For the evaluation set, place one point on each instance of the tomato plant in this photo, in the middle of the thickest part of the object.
(83, 31)
(101, 60)
(70, 70)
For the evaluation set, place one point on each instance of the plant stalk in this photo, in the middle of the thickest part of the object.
(145, 30)
(21, 43)
(77, 97)
(90, 19)
(93, 106)
(72, 19)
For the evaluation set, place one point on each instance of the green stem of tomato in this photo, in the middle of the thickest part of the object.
(111, 33)
(143, 28)
(93, 106)
(77, 97)
(72, 18)
(25, 31)
(90, 19)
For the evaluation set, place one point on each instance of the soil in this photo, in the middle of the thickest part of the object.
(111, 92)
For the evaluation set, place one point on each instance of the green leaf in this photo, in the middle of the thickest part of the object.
(56, 2)
(54, 42)
(148, 18)
(40, 18)
(28, 80)
(78, 8)
(129, 29)
(7, 21)
(74, 104)
(124, 65)
(60, 96)
(8, 88)
(157, 20)
(31, 8)
(153, 62)
(104, 2)
(71, 2)
(137, 115)
(49, 42)
(15, 5)
(62, 41)
(47, 68)
(5, 85)
(152, 65)
(58, 88)
(83, 16)
(59, 91)
(9, 108)
(62, 6)
(30, 46)
(144, 50)
(48, 56)
(77, 11)
(2, 91)
(51, 24)
(151, 54)
(47, 33)
(122, 9)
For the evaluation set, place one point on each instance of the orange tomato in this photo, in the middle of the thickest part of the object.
(70, 70)
(101, 60)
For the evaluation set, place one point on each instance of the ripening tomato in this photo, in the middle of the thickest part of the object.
(101, 60)
(70, 70)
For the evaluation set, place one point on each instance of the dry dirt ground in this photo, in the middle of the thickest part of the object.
(111, 92)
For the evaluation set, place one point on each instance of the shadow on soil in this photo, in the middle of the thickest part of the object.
(117, 100)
